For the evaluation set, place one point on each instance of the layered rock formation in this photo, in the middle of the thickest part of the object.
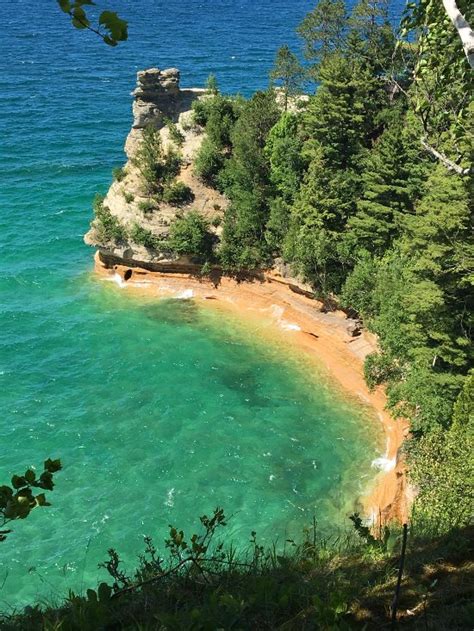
(158, 99)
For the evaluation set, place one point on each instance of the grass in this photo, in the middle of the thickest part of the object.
(341, 582)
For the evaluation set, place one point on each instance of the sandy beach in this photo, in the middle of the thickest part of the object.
(297, 320)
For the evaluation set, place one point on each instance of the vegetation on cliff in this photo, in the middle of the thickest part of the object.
(366, 191)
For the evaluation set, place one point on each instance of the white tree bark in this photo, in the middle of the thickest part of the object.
(463, 28)
(449, 164)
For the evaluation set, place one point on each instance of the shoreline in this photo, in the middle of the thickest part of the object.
(296, 320)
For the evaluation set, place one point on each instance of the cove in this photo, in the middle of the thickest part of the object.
(162, 410)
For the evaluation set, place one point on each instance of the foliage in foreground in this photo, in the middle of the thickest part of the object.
(18, 500)
(337, 582)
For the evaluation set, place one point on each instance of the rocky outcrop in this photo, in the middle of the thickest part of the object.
(157, 95)
(158, 98)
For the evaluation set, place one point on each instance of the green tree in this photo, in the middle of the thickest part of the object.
(335, 130)
(218, 115)
(422, 302)
(158, 168)
(287, 71)
(283, 151)
(392, 181)
(441, 93)
(248, 185)
(441, 468)
(371, 35)
(190, 235)
(323, 31)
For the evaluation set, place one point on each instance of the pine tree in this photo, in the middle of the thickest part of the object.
(334, 126)
(392, 180)
(248, 185)
(288, 71)
(371, 37)
(323, 30)
(423, 305)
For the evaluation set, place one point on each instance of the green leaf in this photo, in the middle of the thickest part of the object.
(18, 481)
(104, 591)
(116, 26)
(46, 481)
(30, 476)
(79, 18)
(52, 465)
(65, 5)
(41, 500)
(108, 40)
(91, 596)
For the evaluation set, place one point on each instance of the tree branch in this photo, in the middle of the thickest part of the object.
(463, 28)
(449, 164)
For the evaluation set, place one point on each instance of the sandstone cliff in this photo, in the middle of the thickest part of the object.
(160, 103)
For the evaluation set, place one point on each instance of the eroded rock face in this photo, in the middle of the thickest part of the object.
(157, 97)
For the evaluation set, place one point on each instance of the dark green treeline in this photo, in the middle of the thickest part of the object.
(342, 187)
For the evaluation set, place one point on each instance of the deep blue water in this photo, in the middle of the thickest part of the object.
(86, 373)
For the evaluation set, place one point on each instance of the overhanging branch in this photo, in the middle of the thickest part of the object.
(449, 164)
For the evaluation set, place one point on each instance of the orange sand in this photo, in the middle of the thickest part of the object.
(323, 336)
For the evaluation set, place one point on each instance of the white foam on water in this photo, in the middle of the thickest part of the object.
(277, 313)
(289, 326)
(170, 498)
(117, 279)
(185, 294)
(384, 464)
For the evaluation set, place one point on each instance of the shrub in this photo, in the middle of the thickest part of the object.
(209, 162)
(177, 194)
(200, 111)
(128, 197)
(119, 173)
(156, 167)
(108, 227)
(142, 236)
(190, 235)
(211, 84)
(148, 206)
(176, 136)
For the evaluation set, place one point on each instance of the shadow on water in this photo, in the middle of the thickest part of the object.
(173, 311)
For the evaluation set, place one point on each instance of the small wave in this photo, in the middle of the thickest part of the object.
(277, 312)
(289, 326)
(117, 279)
(384, 464)
(170, 498)
(186, 294)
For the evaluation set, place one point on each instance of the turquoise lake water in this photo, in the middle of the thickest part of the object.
(160, 411)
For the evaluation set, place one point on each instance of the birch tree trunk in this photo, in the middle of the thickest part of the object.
(463, 28)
